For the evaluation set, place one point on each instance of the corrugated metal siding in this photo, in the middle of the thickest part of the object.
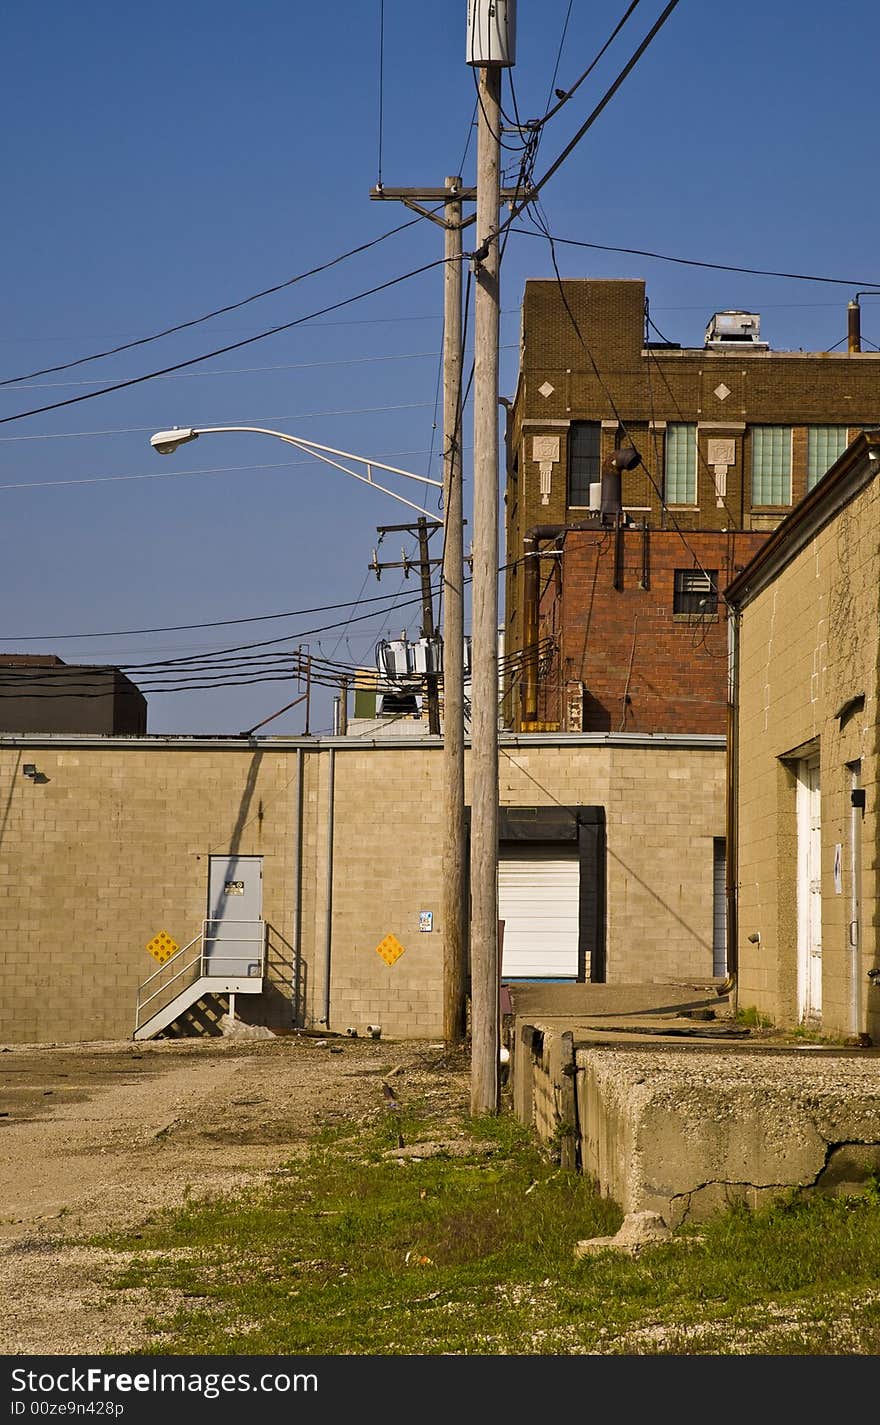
(538, 902)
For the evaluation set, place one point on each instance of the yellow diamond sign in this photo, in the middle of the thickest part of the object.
(390, 949)
(162, 947)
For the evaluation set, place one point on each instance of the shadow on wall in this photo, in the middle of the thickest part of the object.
(282, 1004)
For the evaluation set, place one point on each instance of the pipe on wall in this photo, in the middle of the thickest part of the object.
(531, 571)
(328, 920)
(296, 1007)
(732, 794)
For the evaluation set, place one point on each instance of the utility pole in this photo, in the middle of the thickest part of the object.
(454, 828)
(428, 631)
(455, 883)
(490, 48)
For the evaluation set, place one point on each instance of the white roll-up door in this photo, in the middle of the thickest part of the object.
(538, 901)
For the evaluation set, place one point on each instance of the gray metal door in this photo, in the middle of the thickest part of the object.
(234, 923)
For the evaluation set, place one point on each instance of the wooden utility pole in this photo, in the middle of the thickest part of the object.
(424, 530)
(485, 970)
(428, 629)
(454, 828)
(455, 885)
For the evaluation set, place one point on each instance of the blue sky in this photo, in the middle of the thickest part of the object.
(167, 161)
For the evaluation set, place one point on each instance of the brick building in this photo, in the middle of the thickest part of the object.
(616, 616)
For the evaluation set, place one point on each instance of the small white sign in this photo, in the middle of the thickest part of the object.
(426, 920)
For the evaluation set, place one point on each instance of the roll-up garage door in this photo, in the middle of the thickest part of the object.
(538, 891)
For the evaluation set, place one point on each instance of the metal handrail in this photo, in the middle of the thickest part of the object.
(206, 965)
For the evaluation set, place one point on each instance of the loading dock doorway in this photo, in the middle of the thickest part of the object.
(551, 892)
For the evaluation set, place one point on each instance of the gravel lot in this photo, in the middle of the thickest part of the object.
(101, 1136)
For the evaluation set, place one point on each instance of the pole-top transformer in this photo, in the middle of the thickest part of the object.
(491, 32)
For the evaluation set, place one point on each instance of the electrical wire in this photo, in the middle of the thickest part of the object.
(218, 311)
(715, 266)
(186, 627)
(232, 346)
(530, 197)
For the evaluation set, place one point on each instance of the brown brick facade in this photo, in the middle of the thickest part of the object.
(584, 358)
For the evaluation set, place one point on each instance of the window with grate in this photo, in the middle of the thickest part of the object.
(695, 591)
(771, 465)
(680, 481)
(584, 460)
(824, 445)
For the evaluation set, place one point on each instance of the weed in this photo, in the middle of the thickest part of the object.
(357, 1251)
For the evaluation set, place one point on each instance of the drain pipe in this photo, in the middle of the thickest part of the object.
(328, 923)
(531, 571)
(297, 1009)
(732, 796)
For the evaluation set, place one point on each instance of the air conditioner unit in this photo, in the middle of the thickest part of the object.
(735, 329)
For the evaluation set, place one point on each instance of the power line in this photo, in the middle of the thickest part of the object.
(221, 351)
(166, 474)
(218, 311)
(185, 627)
(603, 102)
(243, 420)
(715, 266)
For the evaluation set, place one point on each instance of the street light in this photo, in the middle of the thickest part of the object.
(165, 442)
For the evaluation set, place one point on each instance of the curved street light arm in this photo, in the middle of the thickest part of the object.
(167, 441)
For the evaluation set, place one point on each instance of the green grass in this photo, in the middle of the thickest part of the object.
(354, 1252)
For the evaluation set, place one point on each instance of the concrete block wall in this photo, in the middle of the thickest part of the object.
(809, 643)
(114, 847)
(689, 1133)
(110, 849)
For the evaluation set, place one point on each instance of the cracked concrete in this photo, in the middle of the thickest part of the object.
(688, 1130)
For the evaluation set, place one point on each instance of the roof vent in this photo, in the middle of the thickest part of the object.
(735, 329)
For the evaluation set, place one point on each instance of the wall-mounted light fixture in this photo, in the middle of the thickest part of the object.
(29, 770)
(754, 938)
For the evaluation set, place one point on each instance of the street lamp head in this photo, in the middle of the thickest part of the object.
(165, 442)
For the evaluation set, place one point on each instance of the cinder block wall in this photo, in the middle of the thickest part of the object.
(114, 846)
(809, 643)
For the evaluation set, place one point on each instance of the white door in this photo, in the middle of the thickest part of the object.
(234, 925)
(809, 892)
(538, 892)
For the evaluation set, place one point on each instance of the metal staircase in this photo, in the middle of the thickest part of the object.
(196, 985)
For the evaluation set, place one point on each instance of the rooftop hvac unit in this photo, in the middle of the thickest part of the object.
(733, 328)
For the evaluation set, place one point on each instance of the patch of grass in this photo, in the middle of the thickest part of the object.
(752, 1018)
(358, 1251)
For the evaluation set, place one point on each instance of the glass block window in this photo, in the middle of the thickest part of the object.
(695, 591)
(824, 445)
(680, 484)
(584, 460)
(771, 465)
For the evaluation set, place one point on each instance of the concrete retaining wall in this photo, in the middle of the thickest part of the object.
(689, 1131)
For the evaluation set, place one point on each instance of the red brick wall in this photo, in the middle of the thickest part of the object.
(644, 668)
